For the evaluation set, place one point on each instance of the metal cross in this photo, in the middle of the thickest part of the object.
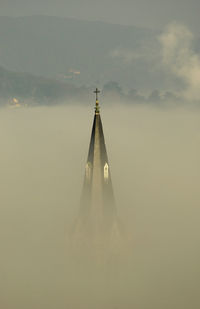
(97, 91)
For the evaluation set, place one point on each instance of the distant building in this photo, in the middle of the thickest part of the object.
(97, 228)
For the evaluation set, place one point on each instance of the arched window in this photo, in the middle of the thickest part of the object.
(88, 171)
(106, 173)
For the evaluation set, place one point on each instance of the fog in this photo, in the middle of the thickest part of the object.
(178, 55)
(154, 158)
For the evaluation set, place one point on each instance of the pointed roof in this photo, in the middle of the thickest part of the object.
(97, 202)
(97, 223)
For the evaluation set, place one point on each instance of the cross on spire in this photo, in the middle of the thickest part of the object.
(97, 91)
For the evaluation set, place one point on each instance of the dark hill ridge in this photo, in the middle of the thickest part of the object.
(30, 89)
(53, 46)
(42, 90)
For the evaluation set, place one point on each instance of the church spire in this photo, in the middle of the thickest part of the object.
(97, 217)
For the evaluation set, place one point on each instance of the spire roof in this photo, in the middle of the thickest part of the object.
(98, 212)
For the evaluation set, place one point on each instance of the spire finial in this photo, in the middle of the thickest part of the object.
(97, 91)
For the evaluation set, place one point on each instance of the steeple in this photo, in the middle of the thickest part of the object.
(97, 216)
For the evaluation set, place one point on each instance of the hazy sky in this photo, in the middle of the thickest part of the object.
(151, 13)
